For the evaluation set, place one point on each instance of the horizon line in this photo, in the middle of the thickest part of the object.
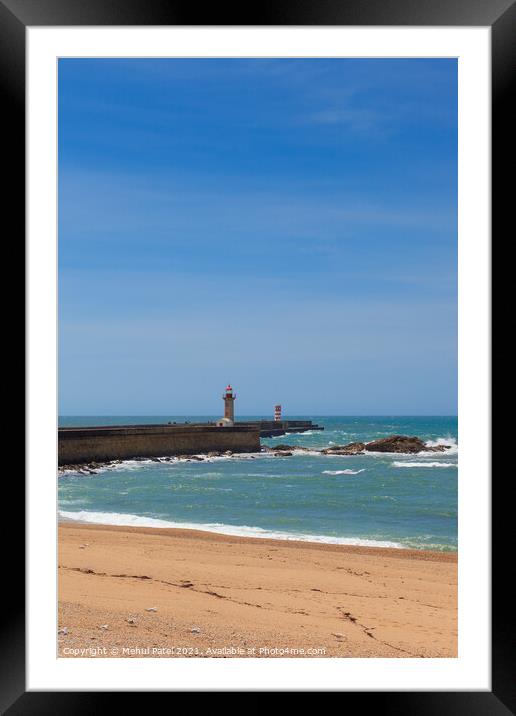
(247, 415)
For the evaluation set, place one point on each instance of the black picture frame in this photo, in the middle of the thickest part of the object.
(500, 15)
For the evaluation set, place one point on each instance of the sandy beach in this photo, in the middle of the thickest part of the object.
(143, 592)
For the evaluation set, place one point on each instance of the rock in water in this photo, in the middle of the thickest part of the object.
(282, 448)
(354, 448)
(349, 449)
(397, 443)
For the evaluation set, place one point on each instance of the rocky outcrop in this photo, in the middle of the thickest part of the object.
(397, 443)
(349, 449)
(291, 447)
(282, 448)
(402, 444)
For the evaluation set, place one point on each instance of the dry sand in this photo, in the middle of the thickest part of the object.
(162, 592)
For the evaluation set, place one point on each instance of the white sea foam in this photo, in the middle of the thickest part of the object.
(265, 474)
(450, 441)
(164, 461)
(127, 464)
(126, 520)
(106, 467)
(301, 432)
(80, 473)
(423, 464)
(114, 518)
(233, 456)
(342, 472)
(65, 473)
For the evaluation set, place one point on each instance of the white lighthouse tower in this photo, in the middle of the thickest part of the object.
(229, 408)
(229, 399)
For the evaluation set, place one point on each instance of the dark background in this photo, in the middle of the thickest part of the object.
(15, 15)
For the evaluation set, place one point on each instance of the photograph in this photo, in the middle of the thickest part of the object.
(258, 250)
(257, 277)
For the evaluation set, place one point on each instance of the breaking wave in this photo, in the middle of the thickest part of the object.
(342, 472)
(449, 440)
(127, 520)
(423, 464)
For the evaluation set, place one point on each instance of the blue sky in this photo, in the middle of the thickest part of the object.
(288, 225)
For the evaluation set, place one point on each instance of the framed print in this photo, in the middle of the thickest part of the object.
(258, 365)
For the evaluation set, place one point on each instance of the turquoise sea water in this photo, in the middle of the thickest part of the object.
(378, 499)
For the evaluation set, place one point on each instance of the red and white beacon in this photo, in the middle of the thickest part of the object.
(277, 412)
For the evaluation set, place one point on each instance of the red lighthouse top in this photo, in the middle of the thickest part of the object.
(229, 389)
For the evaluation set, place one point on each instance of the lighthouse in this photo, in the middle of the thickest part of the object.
(229, 399)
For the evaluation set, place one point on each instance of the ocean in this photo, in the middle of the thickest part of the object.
(405, 501)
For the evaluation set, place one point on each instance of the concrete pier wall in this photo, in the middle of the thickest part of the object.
(273, 428)
(79, 445)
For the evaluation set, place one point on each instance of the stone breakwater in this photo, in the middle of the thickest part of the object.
(398, 444)
(78, 446)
